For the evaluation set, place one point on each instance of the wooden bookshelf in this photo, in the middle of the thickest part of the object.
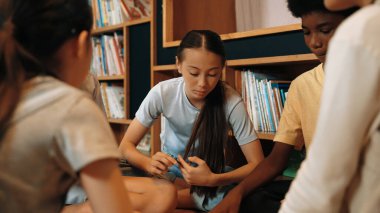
(266, 135)
(125, 28)
(246, 34)
(111, 78)
(219, 16)
(285, 65)
(119, 121)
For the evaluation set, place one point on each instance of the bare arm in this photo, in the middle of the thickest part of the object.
(253, 154)
(157, 165)
(132, 137)
(202, 175)
(104, 178)
(267, 169)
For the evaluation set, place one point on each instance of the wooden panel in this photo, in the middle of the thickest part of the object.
(111, 78)
(229, 77)
(111, 29)
(266, 135)
(238, 86)
(167, 21)
(127, 96)
(274, 60)
(246, 34)
(196, 14)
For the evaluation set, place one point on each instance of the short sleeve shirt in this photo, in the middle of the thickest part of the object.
(178, 115)
(55, 132)
(299, 118)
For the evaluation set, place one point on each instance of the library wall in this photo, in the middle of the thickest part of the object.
(287, 43)
(201, 14)
(281, 53)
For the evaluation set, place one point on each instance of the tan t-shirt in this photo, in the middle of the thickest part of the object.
(299, 118)
(55, 132)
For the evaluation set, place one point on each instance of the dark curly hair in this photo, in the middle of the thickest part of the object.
(300, 8)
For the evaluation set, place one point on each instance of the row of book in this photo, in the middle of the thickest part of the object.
(113, 100)
(264, 99)
(113, 12)
(108, 55)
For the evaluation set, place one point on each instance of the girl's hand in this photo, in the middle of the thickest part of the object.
(200, 175)
(160, 163)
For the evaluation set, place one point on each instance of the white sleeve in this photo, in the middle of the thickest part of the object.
(151, 107)
(348, 106)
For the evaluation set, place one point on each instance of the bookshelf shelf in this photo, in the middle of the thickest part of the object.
(164, 68)
(178, 18)
(115, 55)
(119, 121)
(266, 135)
(137, 21)
(246, 34)
(111, 78)
(275, 60)
(110, 29)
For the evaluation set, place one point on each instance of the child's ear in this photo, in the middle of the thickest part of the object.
(82, 44)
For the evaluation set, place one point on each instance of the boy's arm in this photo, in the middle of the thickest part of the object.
(268, 169)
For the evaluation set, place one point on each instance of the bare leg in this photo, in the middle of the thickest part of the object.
(151, 194)
(185, 200)
(146, 194)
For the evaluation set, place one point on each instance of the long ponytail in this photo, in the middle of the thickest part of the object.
(210, 132)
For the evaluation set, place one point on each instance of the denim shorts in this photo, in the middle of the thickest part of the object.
(202, 202)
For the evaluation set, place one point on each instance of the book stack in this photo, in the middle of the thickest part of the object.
(108, 55)
(113, 100)
(264, 100)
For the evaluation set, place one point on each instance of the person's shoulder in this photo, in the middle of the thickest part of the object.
(232, 96)
(50, 87)
(306, 77)
(171, 82)
(50, 95)
(229, 91)
(169, 85)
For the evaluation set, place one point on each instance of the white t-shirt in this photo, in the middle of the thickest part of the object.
(169, 99)
(341, 172)
(55, 132)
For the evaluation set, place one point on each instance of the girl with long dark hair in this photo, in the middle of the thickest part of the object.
(198, 110)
